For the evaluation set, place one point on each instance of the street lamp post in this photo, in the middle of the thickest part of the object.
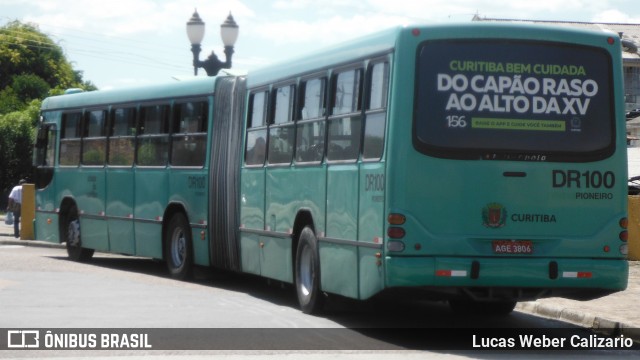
(229, 34)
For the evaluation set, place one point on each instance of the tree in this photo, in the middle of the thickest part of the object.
(26, 50)
(16, 139)
(32, 67)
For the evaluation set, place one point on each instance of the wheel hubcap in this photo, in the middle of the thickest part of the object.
(306, 272)
(178, 247)
(73, 233)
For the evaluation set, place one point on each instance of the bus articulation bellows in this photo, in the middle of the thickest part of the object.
(482, 164)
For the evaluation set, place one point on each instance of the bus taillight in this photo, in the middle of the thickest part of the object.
(624, 234)
(396, 219)
(396, 232)
(624, 223)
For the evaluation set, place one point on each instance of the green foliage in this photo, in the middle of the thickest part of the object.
(32, 67)
(25, 50)
(16, 139)
(29, 87)
(9, 101)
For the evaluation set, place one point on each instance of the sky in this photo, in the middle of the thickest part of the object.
(121, 43)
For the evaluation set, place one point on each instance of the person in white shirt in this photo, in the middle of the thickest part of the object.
(15, 205)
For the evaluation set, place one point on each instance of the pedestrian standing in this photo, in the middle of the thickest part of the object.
(15, 206)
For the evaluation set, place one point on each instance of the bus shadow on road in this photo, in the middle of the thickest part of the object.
(389, 322)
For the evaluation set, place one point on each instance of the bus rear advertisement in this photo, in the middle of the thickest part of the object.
(482, 164)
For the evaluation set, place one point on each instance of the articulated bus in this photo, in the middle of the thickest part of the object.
(482, 164)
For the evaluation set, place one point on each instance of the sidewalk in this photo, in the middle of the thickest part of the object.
(611, 315)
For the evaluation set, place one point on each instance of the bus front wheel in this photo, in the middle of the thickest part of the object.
(307, 273)
(73, 238)
(178, 252)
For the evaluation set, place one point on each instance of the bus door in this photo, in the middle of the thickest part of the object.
(338, 254)
(252, 189)
(371, 217)
(46, 228)
(151, 178)
(90, 188)
(280, 200)
(120, 180)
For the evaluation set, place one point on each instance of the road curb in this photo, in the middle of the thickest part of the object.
(597, 324)
(34, 243)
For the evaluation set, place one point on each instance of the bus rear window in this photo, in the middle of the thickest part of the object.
(513, 100)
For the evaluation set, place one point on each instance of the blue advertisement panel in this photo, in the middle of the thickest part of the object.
(499, 99)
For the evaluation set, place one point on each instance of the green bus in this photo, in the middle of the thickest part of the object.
(482, 164)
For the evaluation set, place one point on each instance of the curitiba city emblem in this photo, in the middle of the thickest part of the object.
(494, 216)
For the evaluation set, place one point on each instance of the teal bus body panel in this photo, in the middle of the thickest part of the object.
(338, 262)
(46, 225)
(250, 253)
(280, 206)
(342, 202)
(371, 228)
(339, 268)
(276, 260)
(91, 205)
(132, 95)
(251, 218)
(120, 205)
(507, 272)
(151, 199)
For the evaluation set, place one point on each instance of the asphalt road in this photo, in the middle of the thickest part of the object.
(41, 289)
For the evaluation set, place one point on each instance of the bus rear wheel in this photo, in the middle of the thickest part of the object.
(72, 236)
(178, 253)
(307, 273)
(483, 308)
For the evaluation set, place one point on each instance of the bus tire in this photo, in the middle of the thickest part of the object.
(307, 273)
(178, 252)
(73, 238)
(482, 308)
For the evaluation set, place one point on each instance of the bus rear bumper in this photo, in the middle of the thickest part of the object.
(522, 278)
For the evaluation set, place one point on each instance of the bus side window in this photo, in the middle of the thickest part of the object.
(281, 132)
(153, 140)
(122, 137)
(375, 115)
(189, 139)
(310, 123)
(94, 141)
(257, 129)
(70, 139)
(345, 120)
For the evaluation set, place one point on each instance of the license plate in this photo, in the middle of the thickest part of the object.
(512, 247)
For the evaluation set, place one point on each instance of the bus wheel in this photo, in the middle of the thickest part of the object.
(483, 308)
(307, 273)
(73, 238)
(178, 252)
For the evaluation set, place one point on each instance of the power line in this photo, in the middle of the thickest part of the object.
(120, 56)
